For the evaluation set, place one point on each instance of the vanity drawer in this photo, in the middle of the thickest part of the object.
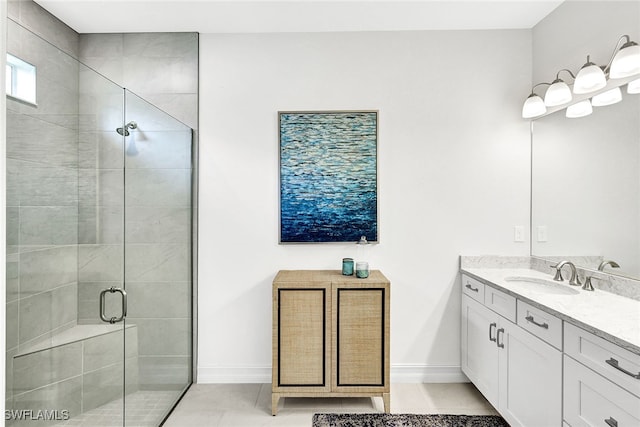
(600, 355)
(545, 326)
(473, 288)
(500, 302)
(591, 400)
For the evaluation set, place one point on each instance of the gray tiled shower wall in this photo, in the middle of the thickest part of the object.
(160, 67)
(42, 197)
(42, 182)
(65, 188)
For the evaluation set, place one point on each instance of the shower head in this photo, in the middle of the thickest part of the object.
(125, 130)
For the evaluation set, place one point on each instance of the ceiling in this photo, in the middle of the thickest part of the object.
(266, 16)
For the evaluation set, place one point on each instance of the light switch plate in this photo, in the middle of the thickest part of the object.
(518, 233)
(542, 233)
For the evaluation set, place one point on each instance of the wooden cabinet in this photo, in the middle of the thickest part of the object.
(516, 371)
(330, 335)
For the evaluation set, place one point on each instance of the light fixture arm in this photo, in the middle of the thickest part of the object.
(568, 71)
(539, 84)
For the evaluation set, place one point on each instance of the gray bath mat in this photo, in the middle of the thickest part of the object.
(407, 420)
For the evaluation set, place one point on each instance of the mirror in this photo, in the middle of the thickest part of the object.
(585, 186)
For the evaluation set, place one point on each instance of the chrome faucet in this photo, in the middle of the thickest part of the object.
(573, 280)
(587, 284)
(603, 264)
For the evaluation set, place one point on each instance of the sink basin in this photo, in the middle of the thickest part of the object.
(544, 285)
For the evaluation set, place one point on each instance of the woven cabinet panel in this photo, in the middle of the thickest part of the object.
(302, 337)
(360, 330)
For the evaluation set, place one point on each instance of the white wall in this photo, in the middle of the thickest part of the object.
(576, 29)
(453, 178)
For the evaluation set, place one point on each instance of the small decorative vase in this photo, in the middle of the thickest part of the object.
(362, 270)
(347, 266)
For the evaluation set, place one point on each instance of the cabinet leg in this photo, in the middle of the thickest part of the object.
(275, 398)
(386, 399)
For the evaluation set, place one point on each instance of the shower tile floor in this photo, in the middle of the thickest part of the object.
(144, 409)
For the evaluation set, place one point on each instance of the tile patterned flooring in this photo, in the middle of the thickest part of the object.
(144, 409)
(249, 405)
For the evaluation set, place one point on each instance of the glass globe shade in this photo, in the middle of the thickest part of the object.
(579, 109)
(609, 97)
(557, 94)
(533, 107)
(626, 63)
(633, 87)
(589, 79)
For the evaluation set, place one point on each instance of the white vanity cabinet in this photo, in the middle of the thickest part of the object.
(601, 381)
(519, 373)
(531, 382)
(480, 360)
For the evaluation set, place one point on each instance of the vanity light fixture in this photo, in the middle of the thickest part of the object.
(559, 92)
(626, 61)
(609, 97)
(579, 109)
(589, 79)
(633, 87)
(534, 105)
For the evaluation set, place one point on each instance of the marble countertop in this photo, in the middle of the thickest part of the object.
(610, 316)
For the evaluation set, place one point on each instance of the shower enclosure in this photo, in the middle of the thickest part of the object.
(99, 244)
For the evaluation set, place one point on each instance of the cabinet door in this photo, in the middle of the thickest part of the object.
(361, 337)
(478, 347)
(530, 379)
(302, 347)
(592, 400)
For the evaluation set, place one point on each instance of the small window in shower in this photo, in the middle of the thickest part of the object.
(21, 79)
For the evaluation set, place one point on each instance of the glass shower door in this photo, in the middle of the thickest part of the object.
(65, 222)
(157, 258)
(98, 286)
(101, 297)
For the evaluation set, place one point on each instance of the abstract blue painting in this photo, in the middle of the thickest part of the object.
(328, 176)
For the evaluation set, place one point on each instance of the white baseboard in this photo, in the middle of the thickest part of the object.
(427, 374)
(399, 374)
(234, 374)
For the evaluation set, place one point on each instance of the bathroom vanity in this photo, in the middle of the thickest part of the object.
(548, 354)
(330, 335)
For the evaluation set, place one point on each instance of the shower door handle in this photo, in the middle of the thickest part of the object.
(123, 295)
